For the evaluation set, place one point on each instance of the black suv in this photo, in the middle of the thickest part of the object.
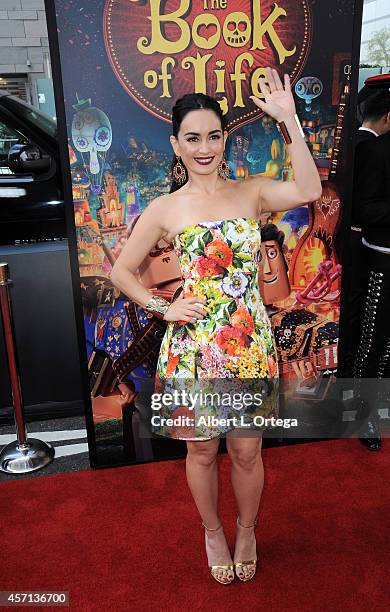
(31, 195)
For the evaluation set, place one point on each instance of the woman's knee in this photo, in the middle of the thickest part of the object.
(203, 453)
(245, 456)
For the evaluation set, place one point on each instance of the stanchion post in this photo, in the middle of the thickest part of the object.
(23, 455)
(13, 365)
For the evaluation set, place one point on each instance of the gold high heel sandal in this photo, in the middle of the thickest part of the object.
(252, 563)
(214, 568)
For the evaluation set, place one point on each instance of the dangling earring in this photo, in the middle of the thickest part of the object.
(224, 170)
(179, 172)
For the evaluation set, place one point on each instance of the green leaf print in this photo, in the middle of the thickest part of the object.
(191, 332)
(224, 321)
(225, 227)
(190, 240)
(211, 325)
(232, 307)
(238, 246)
(198, 362)
(184, 366)
(208, 237)
(237, 261)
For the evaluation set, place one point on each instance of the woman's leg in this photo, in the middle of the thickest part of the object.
(202, 478)
(247, 475)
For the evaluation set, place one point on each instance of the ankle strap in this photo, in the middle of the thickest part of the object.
(215, 528)
(246, 526)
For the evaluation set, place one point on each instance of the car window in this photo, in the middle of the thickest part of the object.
(8, 138)
(32, 115)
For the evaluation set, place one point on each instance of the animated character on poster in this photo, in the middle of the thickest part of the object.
(273, 273)
(91, 135)
(308, 88)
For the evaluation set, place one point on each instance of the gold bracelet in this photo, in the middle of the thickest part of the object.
(158, 306)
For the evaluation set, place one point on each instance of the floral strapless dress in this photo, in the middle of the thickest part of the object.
(228, 353)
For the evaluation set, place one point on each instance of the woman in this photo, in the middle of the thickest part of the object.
(219, 325)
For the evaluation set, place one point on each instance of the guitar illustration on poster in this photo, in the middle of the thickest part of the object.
(305, 321)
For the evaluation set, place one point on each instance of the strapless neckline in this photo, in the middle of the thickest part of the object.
(210, 221)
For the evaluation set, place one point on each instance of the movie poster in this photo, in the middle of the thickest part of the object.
(124, 63)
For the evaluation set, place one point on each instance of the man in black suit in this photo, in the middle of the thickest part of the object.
(374, 123)
(370, 295)
(376, 120)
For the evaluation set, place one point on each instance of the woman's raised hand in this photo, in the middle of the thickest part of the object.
(186, 309)
(278, 99)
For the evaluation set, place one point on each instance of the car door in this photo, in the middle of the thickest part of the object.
(31, 205)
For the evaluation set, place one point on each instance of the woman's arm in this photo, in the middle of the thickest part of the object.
(274, 195)
(145, 234)
(107, 251)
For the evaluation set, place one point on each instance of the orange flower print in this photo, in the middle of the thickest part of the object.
(241, 319)
(173, 361)
(230, 339)
(207, 267)
(271, 366)
(180, 323)
(220, 252)
(186, 425)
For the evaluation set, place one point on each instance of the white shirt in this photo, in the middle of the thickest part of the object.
(366, 129)
(368, 244)
(376, 247)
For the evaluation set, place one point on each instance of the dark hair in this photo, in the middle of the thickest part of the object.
(270, 231)
(362, 97)
(186, 104)
(377, 105)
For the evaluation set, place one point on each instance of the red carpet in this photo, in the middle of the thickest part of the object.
(129, 538)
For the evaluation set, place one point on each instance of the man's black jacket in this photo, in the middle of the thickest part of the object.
(371, 189)
(362, 136)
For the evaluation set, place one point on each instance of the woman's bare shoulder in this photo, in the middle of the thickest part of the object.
(162, 209)
(158, 204)
(248, 190)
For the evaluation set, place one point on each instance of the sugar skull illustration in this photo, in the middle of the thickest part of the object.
(237, 29)
(308, 88)
(91, 134)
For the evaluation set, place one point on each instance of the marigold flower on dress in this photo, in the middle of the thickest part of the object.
(220, 252)
(207, 267)
(241, 319)
(230, 339)
(271, 366)
(173, 361)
